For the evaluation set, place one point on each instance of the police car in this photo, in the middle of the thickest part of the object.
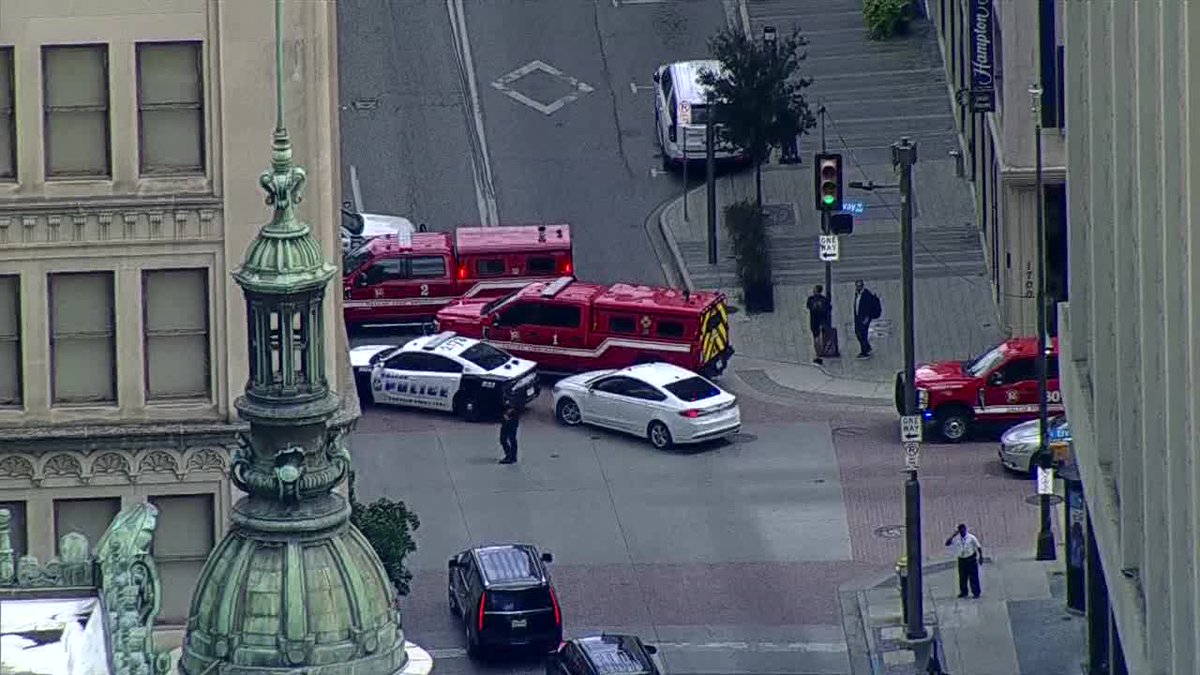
(446, 372)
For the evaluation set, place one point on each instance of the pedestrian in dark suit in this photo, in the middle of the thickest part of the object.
(818, 319)
(866, 309)
(508, 433)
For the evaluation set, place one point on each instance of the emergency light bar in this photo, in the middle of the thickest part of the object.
(555, 287)
(438, 340)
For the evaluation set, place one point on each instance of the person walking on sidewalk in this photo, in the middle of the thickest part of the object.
(969, 551)
(818, 320)
(511, 419)
(867, 308)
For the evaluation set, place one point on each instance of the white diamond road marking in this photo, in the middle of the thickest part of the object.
(505, 82)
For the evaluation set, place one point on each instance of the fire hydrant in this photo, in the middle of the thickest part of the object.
(902, 576)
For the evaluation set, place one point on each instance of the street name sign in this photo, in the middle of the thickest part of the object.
(829, 248)
(910, 429)
(912, 456)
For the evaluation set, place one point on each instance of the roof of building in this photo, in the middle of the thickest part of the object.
(685, 78)
(473, 240)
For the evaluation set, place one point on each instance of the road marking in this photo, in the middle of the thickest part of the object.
(656, 172)
(644, 2)
(481, 166)
(355, 190)
(774, 647)
(505, 84)
(635, 87)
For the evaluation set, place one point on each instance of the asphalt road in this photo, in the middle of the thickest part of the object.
(433, 139)
(728, 555)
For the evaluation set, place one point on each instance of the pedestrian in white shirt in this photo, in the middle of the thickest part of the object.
(968, 551)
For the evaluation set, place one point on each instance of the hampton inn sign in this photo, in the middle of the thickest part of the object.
(983, 80)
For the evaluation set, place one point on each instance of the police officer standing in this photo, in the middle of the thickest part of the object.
(510, 420)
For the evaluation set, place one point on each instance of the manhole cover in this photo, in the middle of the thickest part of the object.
(364, 103)
(890, 531)
(1036, 500)
(849, 431)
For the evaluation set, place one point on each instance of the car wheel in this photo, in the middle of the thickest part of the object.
(567, 412)
(953, 423)
(659, 435)
(364, 391)
(467, 407)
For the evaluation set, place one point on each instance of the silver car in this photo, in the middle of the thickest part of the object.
(1019, 445)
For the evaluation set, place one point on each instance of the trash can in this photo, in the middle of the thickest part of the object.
(902, 576)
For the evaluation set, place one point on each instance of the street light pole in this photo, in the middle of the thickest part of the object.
(1045, 540)
(904, 155)
(710, 179)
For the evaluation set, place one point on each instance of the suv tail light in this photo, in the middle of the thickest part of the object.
(462, 271)
(482, 603)
(565, 267)
(557, 613)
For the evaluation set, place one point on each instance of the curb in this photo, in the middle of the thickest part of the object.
(681, 271)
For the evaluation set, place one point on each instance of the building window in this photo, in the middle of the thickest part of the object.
(8, 120)
(1048, 62)
(10, 340)
(170, 108)
(175, 337)
(82, 344)
(182, 542)
(89, 517)
(75, 107)
(17, 530)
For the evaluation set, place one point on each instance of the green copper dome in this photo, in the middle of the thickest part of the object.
(293, 587)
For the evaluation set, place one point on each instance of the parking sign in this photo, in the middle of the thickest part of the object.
(685, 112)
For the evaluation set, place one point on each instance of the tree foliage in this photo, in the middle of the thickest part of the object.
(758, 96)
(389, 526)
(886, 18)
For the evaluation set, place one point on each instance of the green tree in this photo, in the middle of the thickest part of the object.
(389, 526)
(758, 98)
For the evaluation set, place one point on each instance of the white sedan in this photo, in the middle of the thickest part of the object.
(661, 402)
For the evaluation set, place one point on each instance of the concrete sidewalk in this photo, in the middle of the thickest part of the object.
(1020, 625)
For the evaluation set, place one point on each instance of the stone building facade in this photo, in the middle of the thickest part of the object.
(132, 135)
(1013, 45)
(1129, 336)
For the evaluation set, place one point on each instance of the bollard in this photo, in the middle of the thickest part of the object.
(902, 576)
(959, 169)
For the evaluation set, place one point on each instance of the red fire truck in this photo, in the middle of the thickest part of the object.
(570, 326)
(998, 387)
(406, 278)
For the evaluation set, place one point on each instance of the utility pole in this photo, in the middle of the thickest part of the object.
(1045, 540)
(904, 155)
(710, 177)
(825, 230)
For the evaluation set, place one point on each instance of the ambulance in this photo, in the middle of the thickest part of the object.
(408, 277)
(570, 326)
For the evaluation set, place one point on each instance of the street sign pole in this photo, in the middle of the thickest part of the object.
(825, 230)
(710, 179)
(904, 155)
(1045, 540)
(685, 121)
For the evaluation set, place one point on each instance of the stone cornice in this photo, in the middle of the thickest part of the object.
(149, 219)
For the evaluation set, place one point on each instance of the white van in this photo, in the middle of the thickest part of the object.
(675, 85)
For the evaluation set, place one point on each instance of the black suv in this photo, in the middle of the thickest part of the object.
(604, 655)
(505, 599)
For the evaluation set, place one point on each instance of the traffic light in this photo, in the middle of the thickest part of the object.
(829, 182)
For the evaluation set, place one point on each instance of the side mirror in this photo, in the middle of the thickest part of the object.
(671, 135)
(452, 564)
(656, 78)
(361, 281)
(547, 557)
(494, 318)
(650, 649)
(995, 379)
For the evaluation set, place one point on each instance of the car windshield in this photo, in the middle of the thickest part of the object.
(519, 601)
(355, 259)
(485, 356)
(983, 364)
(693, 389)
(499, 302)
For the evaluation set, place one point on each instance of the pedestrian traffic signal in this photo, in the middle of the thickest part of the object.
(829, 182)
